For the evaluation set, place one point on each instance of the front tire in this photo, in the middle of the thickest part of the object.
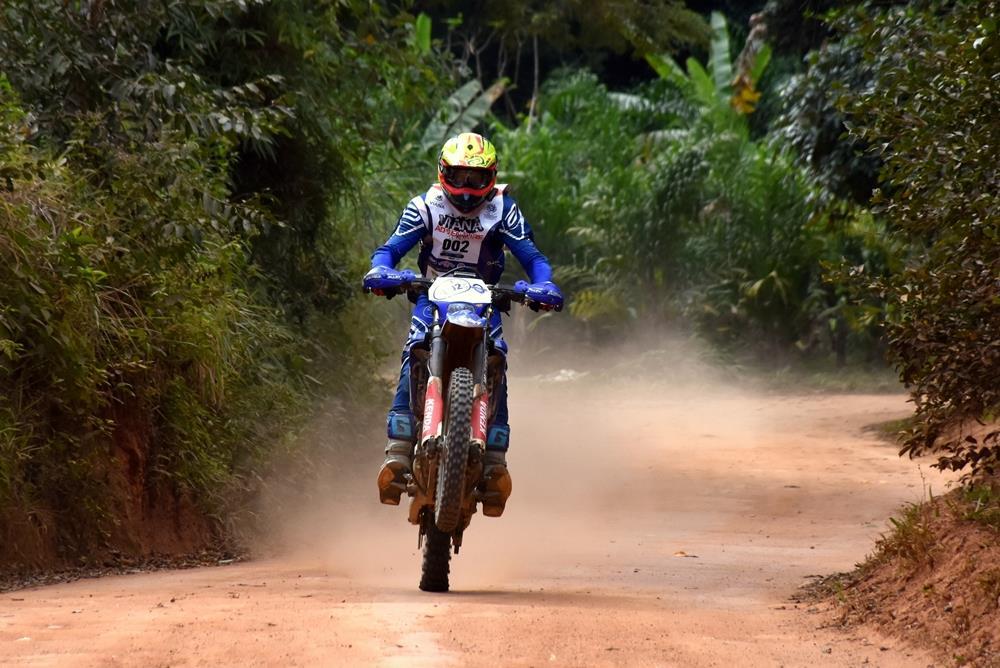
(437, 554)
(455, 454)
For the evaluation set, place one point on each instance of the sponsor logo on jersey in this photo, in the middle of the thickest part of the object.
(460, 224)
(460, 227)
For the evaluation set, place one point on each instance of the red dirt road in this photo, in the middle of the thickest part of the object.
(667, 531)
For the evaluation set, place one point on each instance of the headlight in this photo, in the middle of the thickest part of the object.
(465, 315)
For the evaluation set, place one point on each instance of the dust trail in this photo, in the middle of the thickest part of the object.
(659, 517)
(587, 457)
(578, 469)
(325, 509)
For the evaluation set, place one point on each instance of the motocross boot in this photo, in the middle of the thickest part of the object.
(395, 468)
(497, 483)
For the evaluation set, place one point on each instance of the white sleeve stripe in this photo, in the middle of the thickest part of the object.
(420, 207)
(514, 224)
(412, 219)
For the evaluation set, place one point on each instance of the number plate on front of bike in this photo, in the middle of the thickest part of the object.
(449, 289)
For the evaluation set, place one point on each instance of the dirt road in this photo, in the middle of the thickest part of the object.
(646, 529)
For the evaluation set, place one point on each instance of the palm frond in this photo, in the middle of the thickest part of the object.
(720, 62)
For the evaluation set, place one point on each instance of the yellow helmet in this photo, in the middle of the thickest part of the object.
(467, 170)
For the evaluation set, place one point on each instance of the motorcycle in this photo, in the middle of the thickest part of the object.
(454, 374)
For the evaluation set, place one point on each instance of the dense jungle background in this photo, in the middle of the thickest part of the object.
(189, 192)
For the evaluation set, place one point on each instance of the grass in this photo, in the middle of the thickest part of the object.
(982, 504)
(910, 538)
(890, 430)
(825, 377)
(932, 576)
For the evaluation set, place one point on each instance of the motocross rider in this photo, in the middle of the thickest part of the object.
(463, 221)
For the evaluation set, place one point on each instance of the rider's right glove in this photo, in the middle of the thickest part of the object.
(545, 296)
(386, 281)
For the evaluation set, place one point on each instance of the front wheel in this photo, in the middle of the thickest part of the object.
(454, 455)
(437, 554)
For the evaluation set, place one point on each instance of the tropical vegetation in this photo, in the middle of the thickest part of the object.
(189, 193)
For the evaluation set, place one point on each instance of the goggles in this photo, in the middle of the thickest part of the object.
(467, 177)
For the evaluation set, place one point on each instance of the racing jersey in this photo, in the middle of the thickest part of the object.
(451, 238)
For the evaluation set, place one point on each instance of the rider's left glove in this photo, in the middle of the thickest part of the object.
(544, 296)
(386, 281)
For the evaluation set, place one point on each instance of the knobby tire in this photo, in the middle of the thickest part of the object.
(455, 454)
(437, 554)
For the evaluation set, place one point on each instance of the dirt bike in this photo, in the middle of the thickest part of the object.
(454, 373)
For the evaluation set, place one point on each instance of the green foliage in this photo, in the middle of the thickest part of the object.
(796, 26)
(753, 264)
(575, 176)
(422, 33)
(981, 503)
(720, 58)
(714, 88)
(461, 112)
(932, 115)
(658, 202)
(580, 25)
(189, 191)
(115, 298)
(814, 127)
(180, 221)
(360, 89)
(911, 537)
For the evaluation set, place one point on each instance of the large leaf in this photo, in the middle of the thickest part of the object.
(760, 63)
(668, 69)
(704, 88)
(462, 111)
(630, 102)
(422, 33)
(719, 61)
(668, 136)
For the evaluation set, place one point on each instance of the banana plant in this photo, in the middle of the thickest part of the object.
(462, 111)
(713, 87)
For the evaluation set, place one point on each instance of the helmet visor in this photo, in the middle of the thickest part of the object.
(467, 177)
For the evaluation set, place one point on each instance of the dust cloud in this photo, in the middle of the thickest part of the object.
(661, 515)
(587, 443)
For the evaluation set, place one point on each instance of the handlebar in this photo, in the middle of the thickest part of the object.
(506, 293)
(502, 293)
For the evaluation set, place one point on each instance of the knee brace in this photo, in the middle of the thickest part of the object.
(401, 426)
(498, 437)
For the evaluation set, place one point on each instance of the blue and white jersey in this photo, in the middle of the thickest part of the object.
(475, 240)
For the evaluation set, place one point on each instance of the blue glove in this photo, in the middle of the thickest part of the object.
(386, 280)
(545, 295)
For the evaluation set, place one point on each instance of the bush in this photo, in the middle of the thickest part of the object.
(932, 114)
(179, 228)
(658, 203)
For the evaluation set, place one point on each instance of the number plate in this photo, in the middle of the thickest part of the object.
(448, 289)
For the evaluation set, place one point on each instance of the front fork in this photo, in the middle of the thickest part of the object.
(422, 487)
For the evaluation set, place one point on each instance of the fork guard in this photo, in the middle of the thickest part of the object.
(433, 423)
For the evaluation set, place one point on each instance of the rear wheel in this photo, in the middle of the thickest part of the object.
(437, 554)
(455, 454)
